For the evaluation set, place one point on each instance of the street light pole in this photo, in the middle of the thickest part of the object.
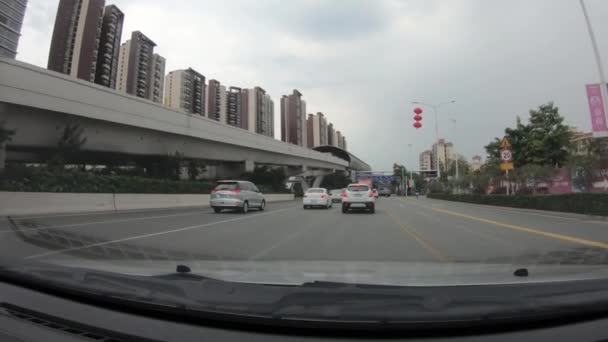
(598, 58)
(435, 111)
(455, 154)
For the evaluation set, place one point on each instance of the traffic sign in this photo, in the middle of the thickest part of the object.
(506, 156)
(506, 166)
(505, 144)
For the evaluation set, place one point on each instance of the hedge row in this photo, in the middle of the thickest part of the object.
(581, 203)
(86, 182)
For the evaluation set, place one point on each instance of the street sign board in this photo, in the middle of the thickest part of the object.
(505, 144)
(505, 166)
(506, 156)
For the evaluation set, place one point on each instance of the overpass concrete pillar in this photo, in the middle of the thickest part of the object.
(2, 156)
(249, 165)
(317, 182)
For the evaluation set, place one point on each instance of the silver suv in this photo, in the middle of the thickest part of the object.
(240, 195)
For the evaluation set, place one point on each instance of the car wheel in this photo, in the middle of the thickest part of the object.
(372, 209)
(331, 204)
(344, 209)
(217, 210)
(263, 205)
(305, 207)
(245, 208)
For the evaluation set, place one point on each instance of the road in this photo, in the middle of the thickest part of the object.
(401, 230)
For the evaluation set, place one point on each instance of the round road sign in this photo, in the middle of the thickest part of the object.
(506, 155)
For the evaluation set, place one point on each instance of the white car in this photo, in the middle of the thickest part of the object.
(358, 196)
(317, 197)
(336, 195)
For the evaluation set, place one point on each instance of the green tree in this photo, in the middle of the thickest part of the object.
(544, 140)
(6, 135)
(195, 168)
(532, 174)
(69, 144)
(335, 181)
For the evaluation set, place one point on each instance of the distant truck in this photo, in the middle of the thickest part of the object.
(386, 192)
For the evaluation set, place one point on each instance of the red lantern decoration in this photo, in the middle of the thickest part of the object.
(417, 124)
(418, 110)
(418, 117)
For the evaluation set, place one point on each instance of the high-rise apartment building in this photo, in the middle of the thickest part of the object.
(157, 77)
(476, 163)
(339, 139)
(330, 134)
(216, 101)
(185, 90)
(140, 70)
(310, 128)
(293, 119)
(260, 112)
(444, 153)
(11, 20)
(236, 107)
(316, 128)
(426, 158)
(76, 37)
(109, 46)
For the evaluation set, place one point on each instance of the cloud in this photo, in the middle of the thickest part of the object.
(362, 62)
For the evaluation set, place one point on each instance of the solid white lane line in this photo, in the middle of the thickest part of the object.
(143, 236)
(141, 218)
(107, 212)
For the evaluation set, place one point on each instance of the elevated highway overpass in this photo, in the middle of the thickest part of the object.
(38, 103)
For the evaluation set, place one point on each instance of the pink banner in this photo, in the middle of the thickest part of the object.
(561, 182)
(596, 108)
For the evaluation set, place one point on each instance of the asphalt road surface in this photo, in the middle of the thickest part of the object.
(401, 230)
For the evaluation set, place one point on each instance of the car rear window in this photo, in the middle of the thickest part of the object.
(227, 186)
(316, 191)
(358, 188)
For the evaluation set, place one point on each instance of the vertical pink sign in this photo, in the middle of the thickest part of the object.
(596, 108)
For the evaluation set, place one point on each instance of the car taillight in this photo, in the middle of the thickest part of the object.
(371, 194)
(323, 196)
(214, 190)
(236, 190)
(344, 194)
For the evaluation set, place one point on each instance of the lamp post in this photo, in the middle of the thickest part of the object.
(598, 58)
(435, 111)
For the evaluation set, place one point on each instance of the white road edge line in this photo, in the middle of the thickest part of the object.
(101, 222)
(136, 237)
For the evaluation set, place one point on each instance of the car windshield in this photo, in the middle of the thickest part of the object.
(358, 188)
(227, 186)
(315, 191)
(139, 136)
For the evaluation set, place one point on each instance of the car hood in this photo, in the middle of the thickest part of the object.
(363, 272)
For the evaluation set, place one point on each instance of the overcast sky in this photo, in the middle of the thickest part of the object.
(363, 62)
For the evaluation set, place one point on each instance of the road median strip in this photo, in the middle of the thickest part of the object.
(562, 237)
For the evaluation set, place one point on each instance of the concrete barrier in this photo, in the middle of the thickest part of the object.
(33, 203)
(27, 203)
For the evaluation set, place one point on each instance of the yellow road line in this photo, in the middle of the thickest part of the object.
(562, 237)
(502, 242)
(420, 239)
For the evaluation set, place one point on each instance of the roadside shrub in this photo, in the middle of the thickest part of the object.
(581, 203)
(31, 179)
